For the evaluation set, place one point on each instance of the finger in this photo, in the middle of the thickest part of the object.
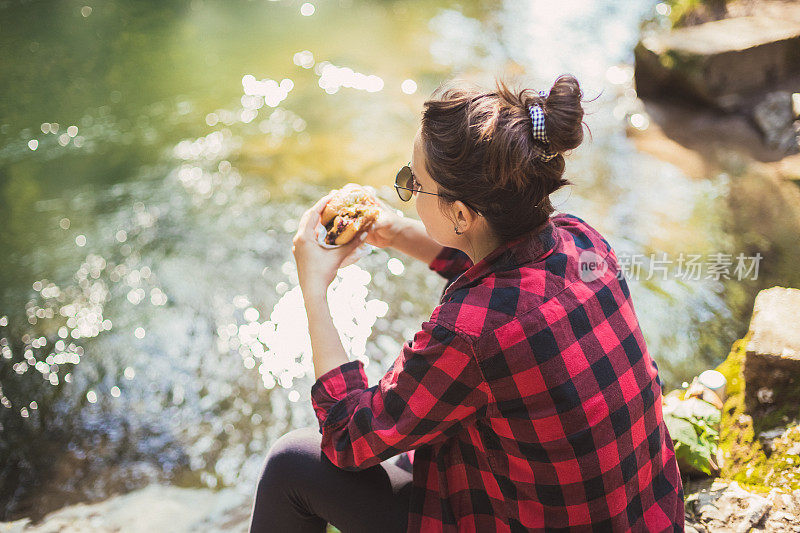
(388, 209)
(383, 215)
(309, 219)
(386, 216)
(350, 256)
(354, 243)
(317, 207)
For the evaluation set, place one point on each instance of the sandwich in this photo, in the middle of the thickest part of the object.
(349, 211)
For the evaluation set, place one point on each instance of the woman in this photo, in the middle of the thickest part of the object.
(528, 398)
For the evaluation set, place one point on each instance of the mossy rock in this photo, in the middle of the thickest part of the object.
(727, 63)
(746, 459)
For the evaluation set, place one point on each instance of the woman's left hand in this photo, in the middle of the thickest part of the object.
(317, 266)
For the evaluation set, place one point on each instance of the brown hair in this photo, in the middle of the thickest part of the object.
(479, 148)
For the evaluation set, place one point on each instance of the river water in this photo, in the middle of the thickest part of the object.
(155, 157)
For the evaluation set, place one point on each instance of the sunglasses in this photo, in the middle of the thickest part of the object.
(406, 186)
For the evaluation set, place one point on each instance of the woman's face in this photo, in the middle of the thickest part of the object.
(438, 226)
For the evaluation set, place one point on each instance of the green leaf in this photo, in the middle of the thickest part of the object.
(681, 430)
(698, 409)
(692, 424)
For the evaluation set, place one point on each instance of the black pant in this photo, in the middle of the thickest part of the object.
(300, 491)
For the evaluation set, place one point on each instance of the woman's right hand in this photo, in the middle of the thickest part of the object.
(384, 230)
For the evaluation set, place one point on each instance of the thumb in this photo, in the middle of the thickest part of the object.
(351, 250)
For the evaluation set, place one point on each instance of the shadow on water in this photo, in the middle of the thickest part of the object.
(155, 158)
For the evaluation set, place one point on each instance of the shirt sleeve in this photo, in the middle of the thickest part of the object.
(450, 263)
(433, 388)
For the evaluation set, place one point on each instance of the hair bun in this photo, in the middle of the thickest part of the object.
(564, 114)
(480, 148)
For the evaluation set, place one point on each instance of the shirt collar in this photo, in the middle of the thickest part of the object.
(528, 248)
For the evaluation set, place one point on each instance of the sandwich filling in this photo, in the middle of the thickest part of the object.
(352, 206)
(336, 226)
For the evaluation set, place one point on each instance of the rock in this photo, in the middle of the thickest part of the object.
(772, 355)
(785, 514)
(726, 506)
(768, 437)
(152, 509)
(774, 116)
(722, 62)
(765, 395)
(794, 450)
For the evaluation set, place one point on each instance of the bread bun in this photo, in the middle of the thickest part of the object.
(349, 211)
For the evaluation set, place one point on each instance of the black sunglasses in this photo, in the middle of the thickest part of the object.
(404, 185)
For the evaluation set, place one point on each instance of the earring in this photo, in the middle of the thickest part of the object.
(455, 228)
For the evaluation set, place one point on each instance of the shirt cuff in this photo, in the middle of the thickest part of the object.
(334, 385)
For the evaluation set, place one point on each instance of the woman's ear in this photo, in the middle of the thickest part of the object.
(464, 217)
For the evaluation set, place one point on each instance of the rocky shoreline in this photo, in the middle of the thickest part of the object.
(152, 509)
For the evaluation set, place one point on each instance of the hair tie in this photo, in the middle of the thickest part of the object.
(539, 132)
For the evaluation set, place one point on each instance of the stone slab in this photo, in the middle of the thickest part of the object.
(772, 354)
(722, 63)
(727, 35)
(775, 325)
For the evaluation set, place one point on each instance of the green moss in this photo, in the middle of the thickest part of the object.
(744, 458)
(687, 12)
(731, 367)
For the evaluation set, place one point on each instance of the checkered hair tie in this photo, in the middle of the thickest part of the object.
(539, 133)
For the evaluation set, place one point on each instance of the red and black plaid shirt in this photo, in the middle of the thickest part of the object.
(529, 398)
